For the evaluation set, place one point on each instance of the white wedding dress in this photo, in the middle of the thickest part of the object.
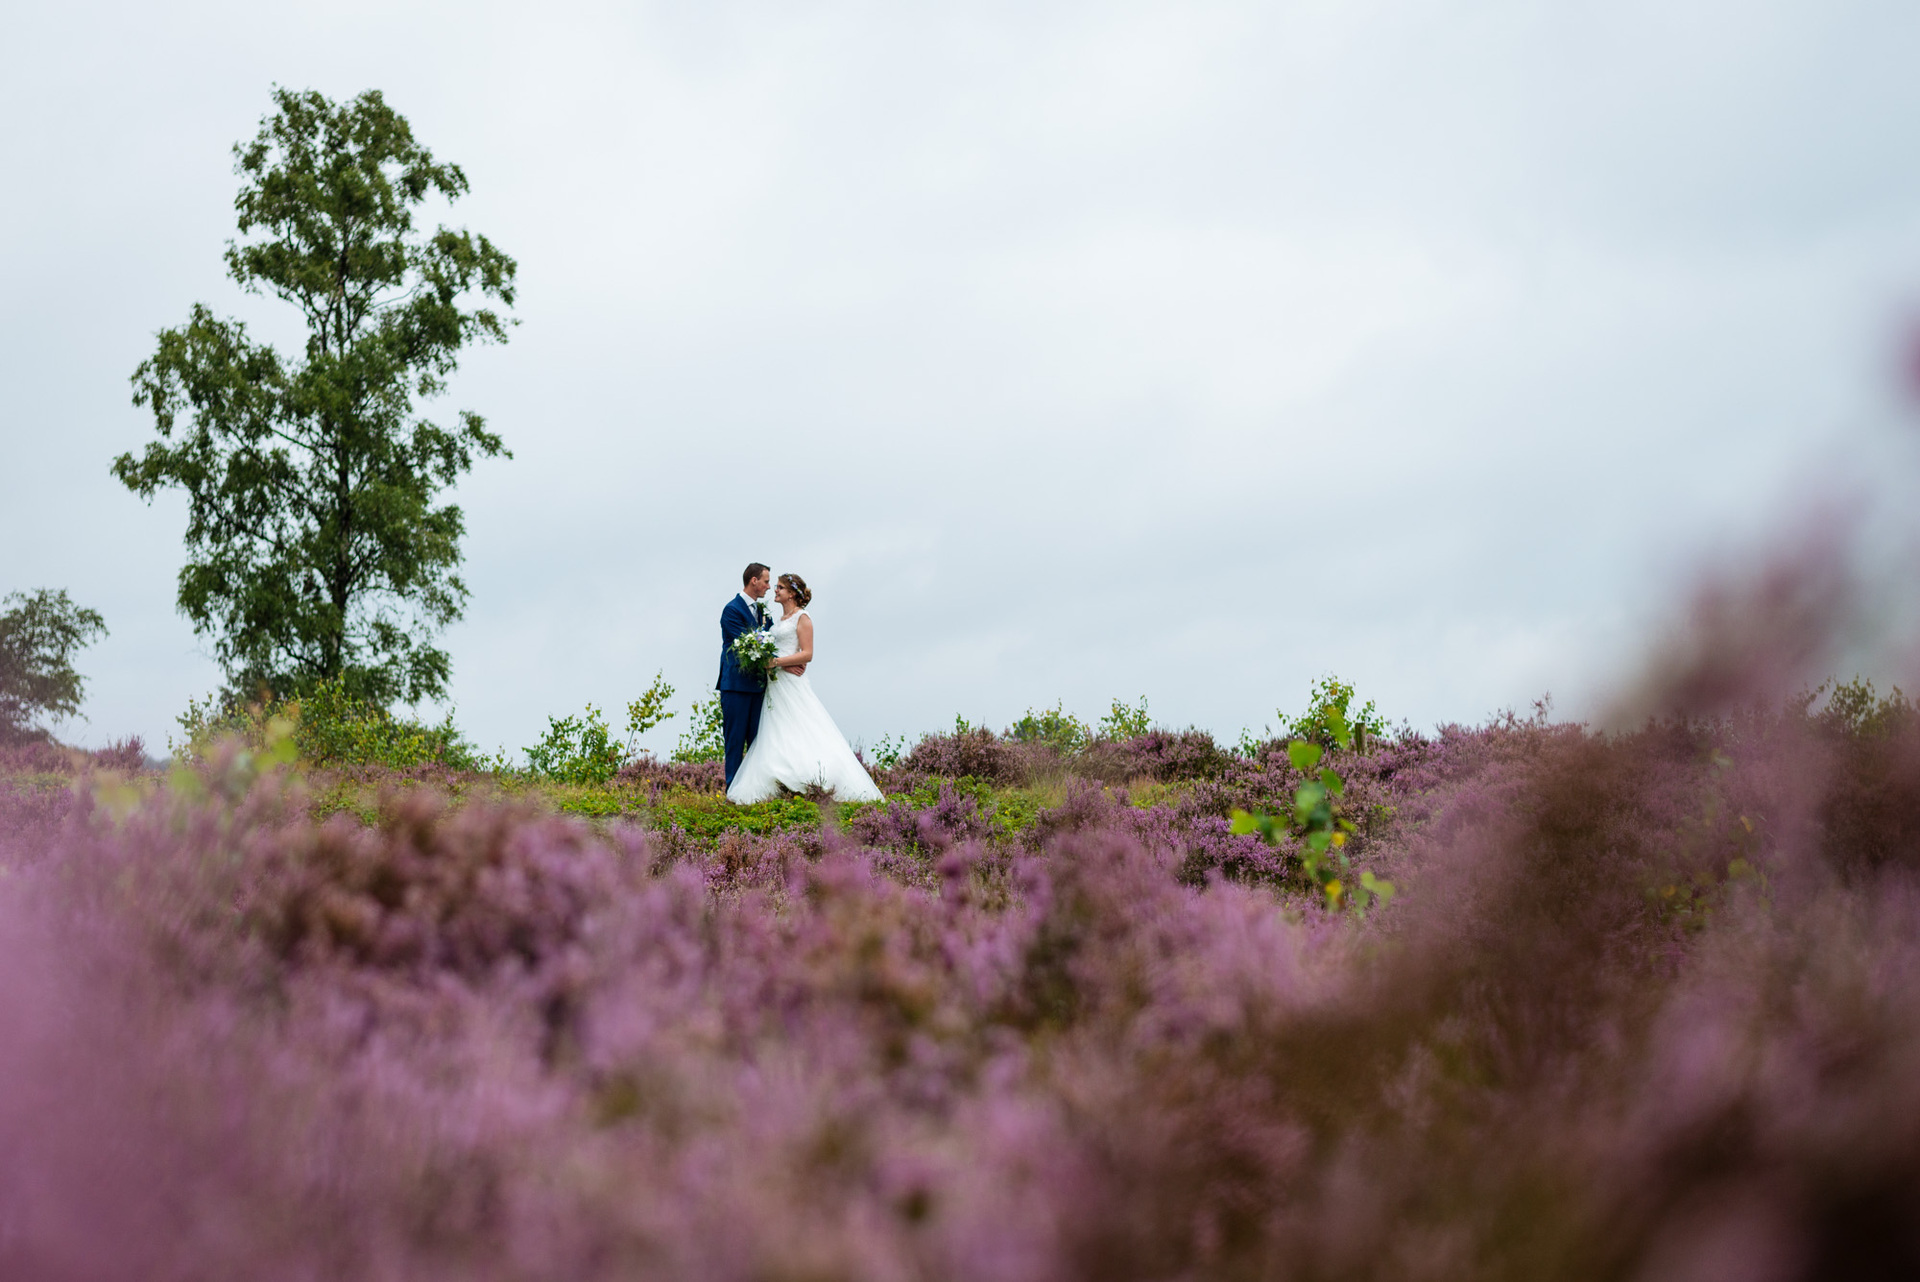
(798, 745)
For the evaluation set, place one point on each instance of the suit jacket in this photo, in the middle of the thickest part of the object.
(734, 620)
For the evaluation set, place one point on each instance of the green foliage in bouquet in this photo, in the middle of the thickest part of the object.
(755, 652)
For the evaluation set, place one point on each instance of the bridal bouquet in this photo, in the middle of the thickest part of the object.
(755, 652)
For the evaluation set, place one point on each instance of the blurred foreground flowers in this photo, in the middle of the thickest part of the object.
(1647, 1006)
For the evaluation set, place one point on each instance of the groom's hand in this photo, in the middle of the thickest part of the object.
(798, 669)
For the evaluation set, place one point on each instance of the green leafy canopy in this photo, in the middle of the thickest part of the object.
(316, 548)
(39, 636)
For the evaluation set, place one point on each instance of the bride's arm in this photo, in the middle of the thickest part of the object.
(800, 658)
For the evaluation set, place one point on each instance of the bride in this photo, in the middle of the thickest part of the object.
(798, 745)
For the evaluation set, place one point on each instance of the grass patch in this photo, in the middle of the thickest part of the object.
(1148, 793)
(1013, 810)
(706, 815)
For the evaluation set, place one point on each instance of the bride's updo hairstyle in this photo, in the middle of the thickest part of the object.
(798, 586)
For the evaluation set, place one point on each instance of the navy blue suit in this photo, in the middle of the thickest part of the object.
(741, 694)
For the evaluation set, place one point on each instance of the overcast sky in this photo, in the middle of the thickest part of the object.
(1071, 351)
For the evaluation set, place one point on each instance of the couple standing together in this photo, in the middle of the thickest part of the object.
(778, 733)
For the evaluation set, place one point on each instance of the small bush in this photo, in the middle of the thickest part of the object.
(1856, 709)
(207, 721)
(1330, 705)
(37, 756)
(331, 727)
(334, 727)
(1173, 756)
(887, 753)
(47, 756)
(933, 816)
(695, 776)
(1054, 727)
(705, 738)
(975, 752)
(577, 750)
(1124, 722)
(582, 750)
(127, 754)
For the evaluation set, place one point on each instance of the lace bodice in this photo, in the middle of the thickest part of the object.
(786, 633)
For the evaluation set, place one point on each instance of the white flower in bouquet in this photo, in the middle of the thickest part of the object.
(755, 652)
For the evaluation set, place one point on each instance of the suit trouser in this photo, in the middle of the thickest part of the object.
(739, 722)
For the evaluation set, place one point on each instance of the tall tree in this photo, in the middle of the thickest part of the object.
(38, 638)
(315, 546)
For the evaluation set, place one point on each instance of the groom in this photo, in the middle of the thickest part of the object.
(741, 693)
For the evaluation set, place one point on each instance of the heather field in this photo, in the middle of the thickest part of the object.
(1401, 366)
(1642, 1004)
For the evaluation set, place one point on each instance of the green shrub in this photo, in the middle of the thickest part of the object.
(206, 721)
(1058, 729)
(1013, 812)
(1857, 709)
(705, 739)
(1330, 705)
(649, 710)
(583, 750)
(333, 727)
(577, 750)
(330, 727)
(1319, 822)
(888, 752)
(1125, 722)
(1067, 734)
(1251, 745)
